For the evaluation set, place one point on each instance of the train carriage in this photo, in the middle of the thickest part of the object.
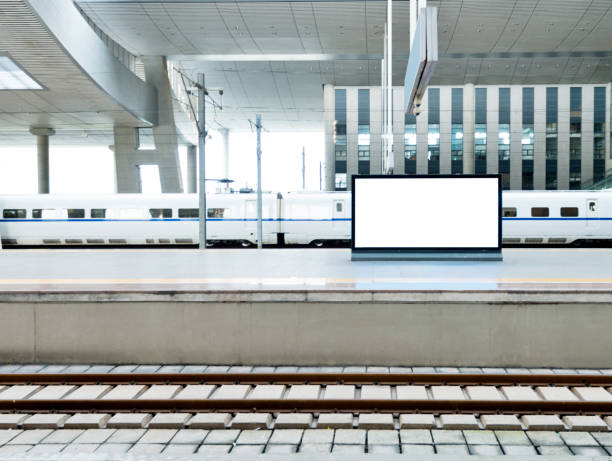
(302, 218)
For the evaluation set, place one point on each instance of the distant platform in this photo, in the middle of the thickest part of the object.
(539, 307)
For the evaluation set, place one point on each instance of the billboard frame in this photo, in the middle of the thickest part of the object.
(428, 253)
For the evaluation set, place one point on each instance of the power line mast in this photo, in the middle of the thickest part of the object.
(259, 201)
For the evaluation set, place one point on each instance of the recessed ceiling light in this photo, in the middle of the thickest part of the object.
(13, 77)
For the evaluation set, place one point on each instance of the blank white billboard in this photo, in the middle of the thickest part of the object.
(426, 212)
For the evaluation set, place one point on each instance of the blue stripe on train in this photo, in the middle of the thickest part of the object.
(266, 219)
(168, 219)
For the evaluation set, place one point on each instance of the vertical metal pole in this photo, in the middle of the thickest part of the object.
(303, 168)
(259, 204)
(383, 84)
(202, 160)
(389, 166)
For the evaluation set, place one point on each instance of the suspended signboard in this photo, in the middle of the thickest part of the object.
(426, 217)
(422, 60)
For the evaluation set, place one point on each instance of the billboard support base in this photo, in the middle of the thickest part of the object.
(493, 255)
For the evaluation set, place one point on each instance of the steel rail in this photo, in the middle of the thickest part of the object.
(310, 406)
(309, 378)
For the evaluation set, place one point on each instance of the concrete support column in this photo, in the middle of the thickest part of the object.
(399, 127)
(226, 159)
(492, 130)
(328, 127)
(352, 122)
(192, 172)
(516, 135)
(42, 142)
(445, 129)
(586, 157)
(422, 127)
(539, 148)
(469, 114)
(376, 154)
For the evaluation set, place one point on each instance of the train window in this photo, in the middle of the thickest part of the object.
(98, 213)
(509, 212)
(539, 212)
(74, 213)
(14, 213)
(339, 207)
(218, 213)
(189, 212)
(570, 211)
(160, 212)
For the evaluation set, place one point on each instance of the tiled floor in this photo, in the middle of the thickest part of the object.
(415, 442)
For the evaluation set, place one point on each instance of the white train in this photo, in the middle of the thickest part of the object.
(534, 217)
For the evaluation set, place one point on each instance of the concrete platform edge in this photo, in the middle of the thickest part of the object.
(364, 332)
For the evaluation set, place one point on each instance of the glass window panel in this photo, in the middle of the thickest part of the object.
(218, 213)
(539, 212)
(160, 212)
(13, 213)
(98, 213)
(188, 213)
(457, 142)
(75, 213)
(569, 212)
(551, 148)
(509, 212)
(575, 148)
(340, 181)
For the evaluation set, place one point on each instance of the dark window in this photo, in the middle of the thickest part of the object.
(189, 213)
(98, 213)
(37, 213)
(552, 107)
(569, 211)
(508, 212)
(340, 105)
(504, 106)
(14, 214)
(339, 207)
(363, 107)
(457, 105)
(480, 105)
(539, 212)
(160, 212)
(433, 106)
(76, 213)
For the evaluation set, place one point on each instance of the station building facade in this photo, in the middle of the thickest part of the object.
(541, 137)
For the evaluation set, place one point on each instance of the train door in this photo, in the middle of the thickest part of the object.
(338, 214)
(592, 213)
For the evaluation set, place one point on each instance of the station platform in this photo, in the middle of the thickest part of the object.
(537, 308)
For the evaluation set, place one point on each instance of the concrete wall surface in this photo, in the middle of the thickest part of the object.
(434, 331)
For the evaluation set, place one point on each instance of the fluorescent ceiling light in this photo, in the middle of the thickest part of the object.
(12, 77)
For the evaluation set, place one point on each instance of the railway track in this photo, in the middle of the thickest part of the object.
(307, 393)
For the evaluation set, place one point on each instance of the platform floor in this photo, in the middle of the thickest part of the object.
(537, 308)
(296, 269)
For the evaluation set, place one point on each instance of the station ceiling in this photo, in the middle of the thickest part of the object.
(273, 57)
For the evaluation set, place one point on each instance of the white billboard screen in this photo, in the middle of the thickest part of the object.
(432, 212)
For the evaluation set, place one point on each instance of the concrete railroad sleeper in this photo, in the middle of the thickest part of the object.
(311, 406)
(311, 378)
(350, 405)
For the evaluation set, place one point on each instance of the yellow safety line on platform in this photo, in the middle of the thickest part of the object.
(294, 280)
